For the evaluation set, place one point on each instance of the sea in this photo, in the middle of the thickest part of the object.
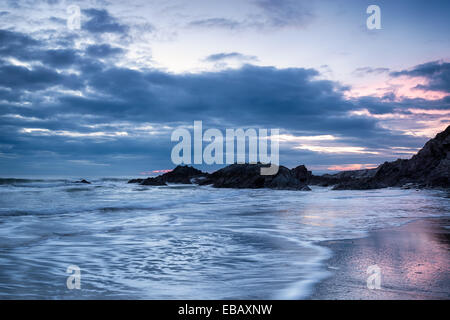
(113, 240)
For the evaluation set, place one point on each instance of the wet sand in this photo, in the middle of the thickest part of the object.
(414, 261)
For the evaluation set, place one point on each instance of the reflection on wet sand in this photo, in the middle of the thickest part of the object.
(414, 262)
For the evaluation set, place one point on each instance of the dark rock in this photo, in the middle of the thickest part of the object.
(323, 180)
(199, 180)
(248, 176)
(305, 188)
(135, 181)
(153, 182)
(302, 174)
(83, 181)
(344, 177)
(430, 167)
(358, 184)
(411, 185)
(181, 174)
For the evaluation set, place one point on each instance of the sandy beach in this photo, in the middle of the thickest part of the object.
(414, 261)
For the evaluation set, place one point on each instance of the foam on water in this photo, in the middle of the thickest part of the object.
(180, 241)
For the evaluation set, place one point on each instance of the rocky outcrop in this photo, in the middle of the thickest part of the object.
(181, 174)
(83, 181)
(430, 167)
(302, 174)
(158, 181)
(234, 176)
(136, 180)
(248, 176)
(341, 177)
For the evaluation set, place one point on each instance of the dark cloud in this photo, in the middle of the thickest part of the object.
(24, 48)
(39, 78)
(117, 99)
(100, 21)
(103, 50)
(250, 95)
(437, 72)
(7, 94)
(59, 58)
(11, 43)
(231, 55)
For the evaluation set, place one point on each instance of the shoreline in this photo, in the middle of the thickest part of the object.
(414, 260)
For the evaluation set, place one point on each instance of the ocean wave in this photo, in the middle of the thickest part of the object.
(16, 213)
(77, 189)
(55, 212)
(211, 242)
(123, 209)
(18, 181)
(112, 179)
(51, 183)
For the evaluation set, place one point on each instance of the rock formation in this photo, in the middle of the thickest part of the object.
(234, 176)
(181, 174)
(302, 174)
(83, 181)
(430, 167)
(341, 177)
(249, 176)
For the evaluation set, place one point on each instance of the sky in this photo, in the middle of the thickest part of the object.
(104, 98)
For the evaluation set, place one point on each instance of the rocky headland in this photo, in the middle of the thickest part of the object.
(429, 168)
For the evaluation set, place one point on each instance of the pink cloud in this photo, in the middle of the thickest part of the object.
(146, 173)
(402, 87)
(354, 166)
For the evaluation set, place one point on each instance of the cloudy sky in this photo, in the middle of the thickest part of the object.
(104, 99)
